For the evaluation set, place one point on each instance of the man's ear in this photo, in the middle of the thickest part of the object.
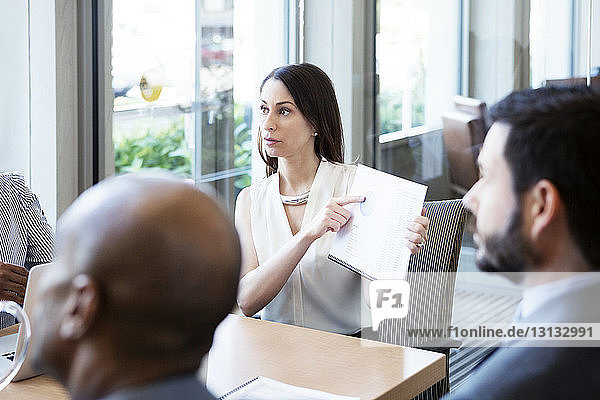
(544, 206)
(80, 309)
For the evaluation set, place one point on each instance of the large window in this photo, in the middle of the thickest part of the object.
(417, 62)
(561, 40)
(427, 52)
(518, 44)
(14, 75)
(185, 78)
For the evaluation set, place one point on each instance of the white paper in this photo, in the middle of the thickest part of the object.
(8, 344)
(262, 388)
(372, 241)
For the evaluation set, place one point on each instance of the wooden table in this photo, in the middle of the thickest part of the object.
(40, 387)
(245, 347)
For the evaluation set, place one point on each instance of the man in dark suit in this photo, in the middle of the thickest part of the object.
(147, 267)
(536, 206)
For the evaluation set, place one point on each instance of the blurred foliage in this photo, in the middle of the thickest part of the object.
(242, 148)
(418, 91)
(390, 112)
(390, 102)
(155, 147)
(162, 144)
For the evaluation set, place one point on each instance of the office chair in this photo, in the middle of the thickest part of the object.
(594, 82)
(432, 275)
(475, 107)
(464, 130)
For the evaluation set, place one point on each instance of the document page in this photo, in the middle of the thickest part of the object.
(372, 241)
(261, 388)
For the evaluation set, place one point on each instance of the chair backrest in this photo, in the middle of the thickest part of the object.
(594, 82)
(458, 132)
(475, 107)
(464, 130)
(431, 275)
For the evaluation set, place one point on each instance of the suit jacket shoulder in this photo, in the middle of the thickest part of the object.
(544, 372)
(535, 373)
(178, 387)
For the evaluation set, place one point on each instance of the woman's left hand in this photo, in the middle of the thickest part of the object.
(416, 233)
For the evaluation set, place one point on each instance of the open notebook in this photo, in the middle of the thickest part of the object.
(261, 388)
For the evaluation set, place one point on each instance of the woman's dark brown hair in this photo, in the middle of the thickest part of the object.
(314, 96)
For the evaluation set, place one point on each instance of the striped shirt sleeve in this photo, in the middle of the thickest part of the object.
(40, 236)
(26, 238)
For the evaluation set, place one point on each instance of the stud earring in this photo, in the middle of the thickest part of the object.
(315, 134)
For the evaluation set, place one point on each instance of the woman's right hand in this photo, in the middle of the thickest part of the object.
(332, 217)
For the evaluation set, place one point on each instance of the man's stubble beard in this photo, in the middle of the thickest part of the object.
(508, 252)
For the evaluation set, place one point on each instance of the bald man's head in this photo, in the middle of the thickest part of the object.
(161, 259)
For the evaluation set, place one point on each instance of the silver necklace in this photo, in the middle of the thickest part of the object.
(295, 200)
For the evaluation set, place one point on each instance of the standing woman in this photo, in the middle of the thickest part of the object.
(287, 221)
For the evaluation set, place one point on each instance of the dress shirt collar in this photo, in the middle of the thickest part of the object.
(535, 297)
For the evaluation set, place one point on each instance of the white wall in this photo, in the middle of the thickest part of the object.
(492, 49)
(596, 33)
(38, 98)
(550, 40)
(43, 106)
(27, 98)
(441, 75)
(262, 22)
(332, 42)
(581, 35)
(14, 87)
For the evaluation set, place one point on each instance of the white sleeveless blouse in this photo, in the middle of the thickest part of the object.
(319, 293)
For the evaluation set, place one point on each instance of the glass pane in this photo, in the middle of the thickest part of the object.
(427, 52)
(558, 37)
(185, 77)
(416, 61)
(153, 41)
(15, 81)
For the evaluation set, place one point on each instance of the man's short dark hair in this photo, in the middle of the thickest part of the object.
(555, 135)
